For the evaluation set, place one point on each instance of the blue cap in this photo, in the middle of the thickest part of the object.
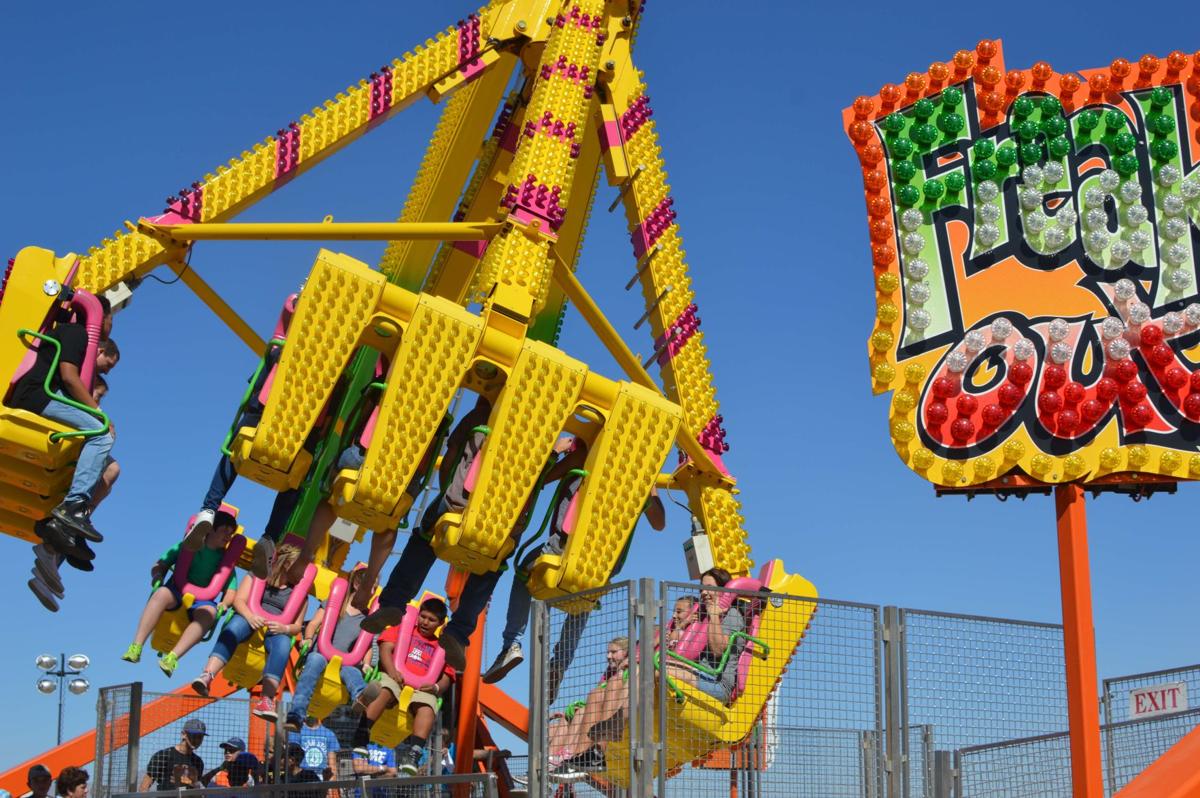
(195, 726)
(234, 744)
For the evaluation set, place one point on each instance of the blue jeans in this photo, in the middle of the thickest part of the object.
(310, 677)
(413, 567)
(238, 630)
(92, 457)
(519, 600)
(225, 474)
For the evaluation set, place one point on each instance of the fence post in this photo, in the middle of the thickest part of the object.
(893, 692)
(870, 764)
(646, 609)
(943, 774)
(537, 706)
(99, 758)
(132, 751)
(1110, 765)
(957, 772)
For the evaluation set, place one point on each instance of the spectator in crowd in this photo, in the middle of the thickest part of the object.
(319, 744)
(296, 773)
(39, 780)
(71, 783)
(235, 754)
(177, 767)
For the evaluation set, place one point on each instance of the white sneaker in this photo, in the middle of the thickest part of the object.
(202, 524)
(508, 659)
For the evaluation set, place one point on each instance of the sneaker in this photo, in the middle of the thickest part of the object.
(201, 683)
(456, 653)
(381, 619)
(167, 663)
(368, 694)
(55, 586)
(59, 538)
(508, 659)
(590, 761)
(46, 567)
(133, 653)
(408, 759)
(265, 708)
(293, 722)
(264, 552)
(82, 564)
(43, 595)
(201, 526)
(78, 517)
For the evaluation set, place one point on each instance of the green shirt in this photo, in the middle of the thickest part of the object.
(205, 564)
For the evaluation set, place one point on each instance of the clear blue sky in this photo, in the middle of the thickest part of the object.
(108, 110)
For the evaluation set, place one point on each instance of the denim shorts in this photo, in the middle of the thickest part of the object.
(179, 600)
(352, 457)
(712, 686)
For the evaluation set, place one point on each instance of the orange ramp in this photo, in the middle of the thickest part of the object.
(1175, 774)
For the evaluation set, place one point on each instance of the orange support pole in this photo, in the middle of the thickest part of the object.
(468, 702)
(1079, 642)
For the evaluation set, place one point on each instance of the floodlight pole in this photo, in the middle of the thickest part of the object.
(1079, 642)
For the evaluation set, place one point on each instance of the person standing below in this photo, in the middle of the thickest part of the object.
(39, 779)
(177, 767)
(296, 772)
(228, 773)
(71, 783)
(75, 511)
(319, 744)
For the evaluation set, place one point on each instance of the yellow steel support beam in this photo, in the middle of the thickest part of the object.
(219, 307)
(322, 231)
(625, 358)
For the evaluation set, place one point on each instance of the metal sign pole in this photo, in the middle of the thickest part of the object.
(1079, 642)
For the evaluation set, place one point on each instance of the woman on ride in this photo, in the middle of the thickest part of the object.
(278, 635)
(718, 675)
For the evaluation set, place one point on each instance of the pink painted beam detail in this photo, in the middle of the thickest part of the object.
(287, 152)
(381, 92)
(635, 116)
(677, 334)
(646, 234)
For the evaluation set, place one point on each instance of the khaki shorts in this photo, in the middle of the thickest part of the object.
(419, 697)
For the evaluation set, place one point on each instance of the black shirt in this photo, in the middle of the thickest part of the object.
(169, 765)
(29, 392)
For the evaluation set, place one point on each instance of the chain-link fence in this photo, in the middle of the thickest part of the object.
(1170, 690)
(1040, 767)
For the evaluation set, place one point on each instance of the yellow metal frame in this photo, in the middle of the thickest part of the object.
(520, 213)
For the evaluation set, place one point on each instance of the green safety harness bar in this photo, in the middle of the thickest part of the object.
(58, 397)
(762, 651)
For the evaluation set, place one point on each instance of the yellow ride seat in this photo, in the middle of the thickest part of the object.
(697, 723)
(395, 723)
(35, 470)
(330, 692)
(622, 463)
(245, 667)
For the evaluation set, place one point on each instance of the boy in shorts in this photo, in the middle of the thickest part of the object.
(423, 705)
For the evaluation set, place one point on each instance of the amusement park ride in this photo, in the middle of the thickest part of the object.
(494, 220)
(1034, 247)
(1034, 243)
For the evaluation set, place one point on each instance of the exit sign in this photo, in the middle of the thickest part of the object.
(1158, 699)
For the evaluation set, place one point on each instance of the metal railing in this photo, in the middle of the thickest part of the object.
(475, 785)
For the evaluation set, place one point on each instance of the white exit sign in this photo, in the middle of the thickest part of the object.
(1158, 699)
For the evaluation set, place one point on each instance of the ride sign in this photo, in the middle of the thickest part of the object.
(1035, 238)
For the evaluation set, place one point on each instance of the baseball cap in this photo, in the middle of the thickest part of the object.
(234, 744)
(295, 750)
(195, 726)
(39, 772)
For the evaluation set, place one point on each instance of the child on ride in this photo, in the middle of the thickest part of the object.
(720, 626)
(385, 693)
(572, 753)
(29, 393)
(278, 635)
(345, 635)
(166, 598)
